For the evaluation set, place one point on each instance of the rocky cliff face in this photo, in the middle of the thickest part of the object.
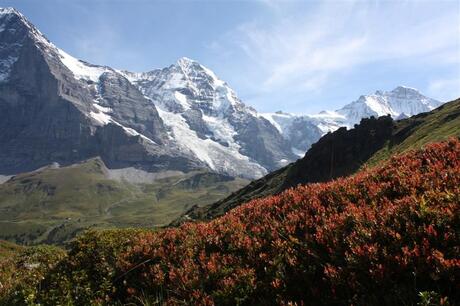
(49, 113)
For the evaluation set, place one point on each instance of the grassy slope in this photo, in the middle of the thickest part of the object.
(417, 131)
(8, 249)
(52, 205)
(344, 152)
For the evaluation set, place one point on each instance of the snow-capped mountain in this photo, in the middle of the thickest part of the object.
(56, 108)
(206, 118)
(304, 130)
(399, 103)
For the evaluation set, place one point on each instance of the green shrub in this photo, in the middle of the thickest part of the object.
(22, 274)
(89, 272)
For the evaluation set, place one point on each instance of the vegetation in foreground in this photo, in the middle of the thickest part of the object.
(385, 236)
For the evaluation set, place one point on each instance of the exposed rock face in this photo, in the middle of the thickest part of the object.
(37, 124)
(129, 107)
(49, 115)
(261, 141)
(340, 153)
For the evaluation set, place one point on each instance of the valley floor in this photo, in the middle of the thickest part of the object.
(53, 205)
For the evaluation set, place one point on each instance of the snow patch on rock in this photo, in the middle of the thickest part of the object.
(218, 157)
(82, 70)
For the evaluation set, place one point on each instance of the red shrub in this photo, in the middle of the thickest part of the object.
(378, 237)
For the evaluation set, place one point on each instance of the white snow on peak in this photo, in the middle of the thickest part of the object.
(401, 100)
(5, 15)
(190, 67)
(185, 88)
(403, 88)
(82, 70)
(326, 121)
(187, 77)
(189, 94)
(10, 49)
(8, 10)
(185, 61)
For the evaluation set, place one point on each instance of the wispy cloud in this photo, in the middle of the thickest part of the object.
(445, 89)
(304, 51)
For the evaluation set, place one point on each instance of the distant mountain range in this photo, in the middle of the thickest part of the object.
(56, 108)
(302, 131)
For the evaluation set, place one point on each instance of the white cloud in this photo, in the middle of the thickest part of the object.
(445, 89)
(305, 50)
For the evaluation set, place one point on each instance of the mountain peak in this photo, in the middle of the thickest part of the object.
(399, 90)
(15, 29)
(6, 15)
(405, 90)
(20, 26)
(400, 102)
(403, 87)
(10, 16)
(197, 74)
(185, 61)
(190, 66)
(9, 11)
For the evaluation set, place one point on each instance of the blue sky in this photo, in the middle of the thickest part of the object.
(296, 56)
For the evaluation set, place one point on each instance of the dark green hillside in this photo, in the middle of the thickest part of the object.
(344, 152)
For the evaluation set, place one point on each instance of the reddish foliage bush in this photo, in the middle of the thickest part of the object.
(378, 237)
